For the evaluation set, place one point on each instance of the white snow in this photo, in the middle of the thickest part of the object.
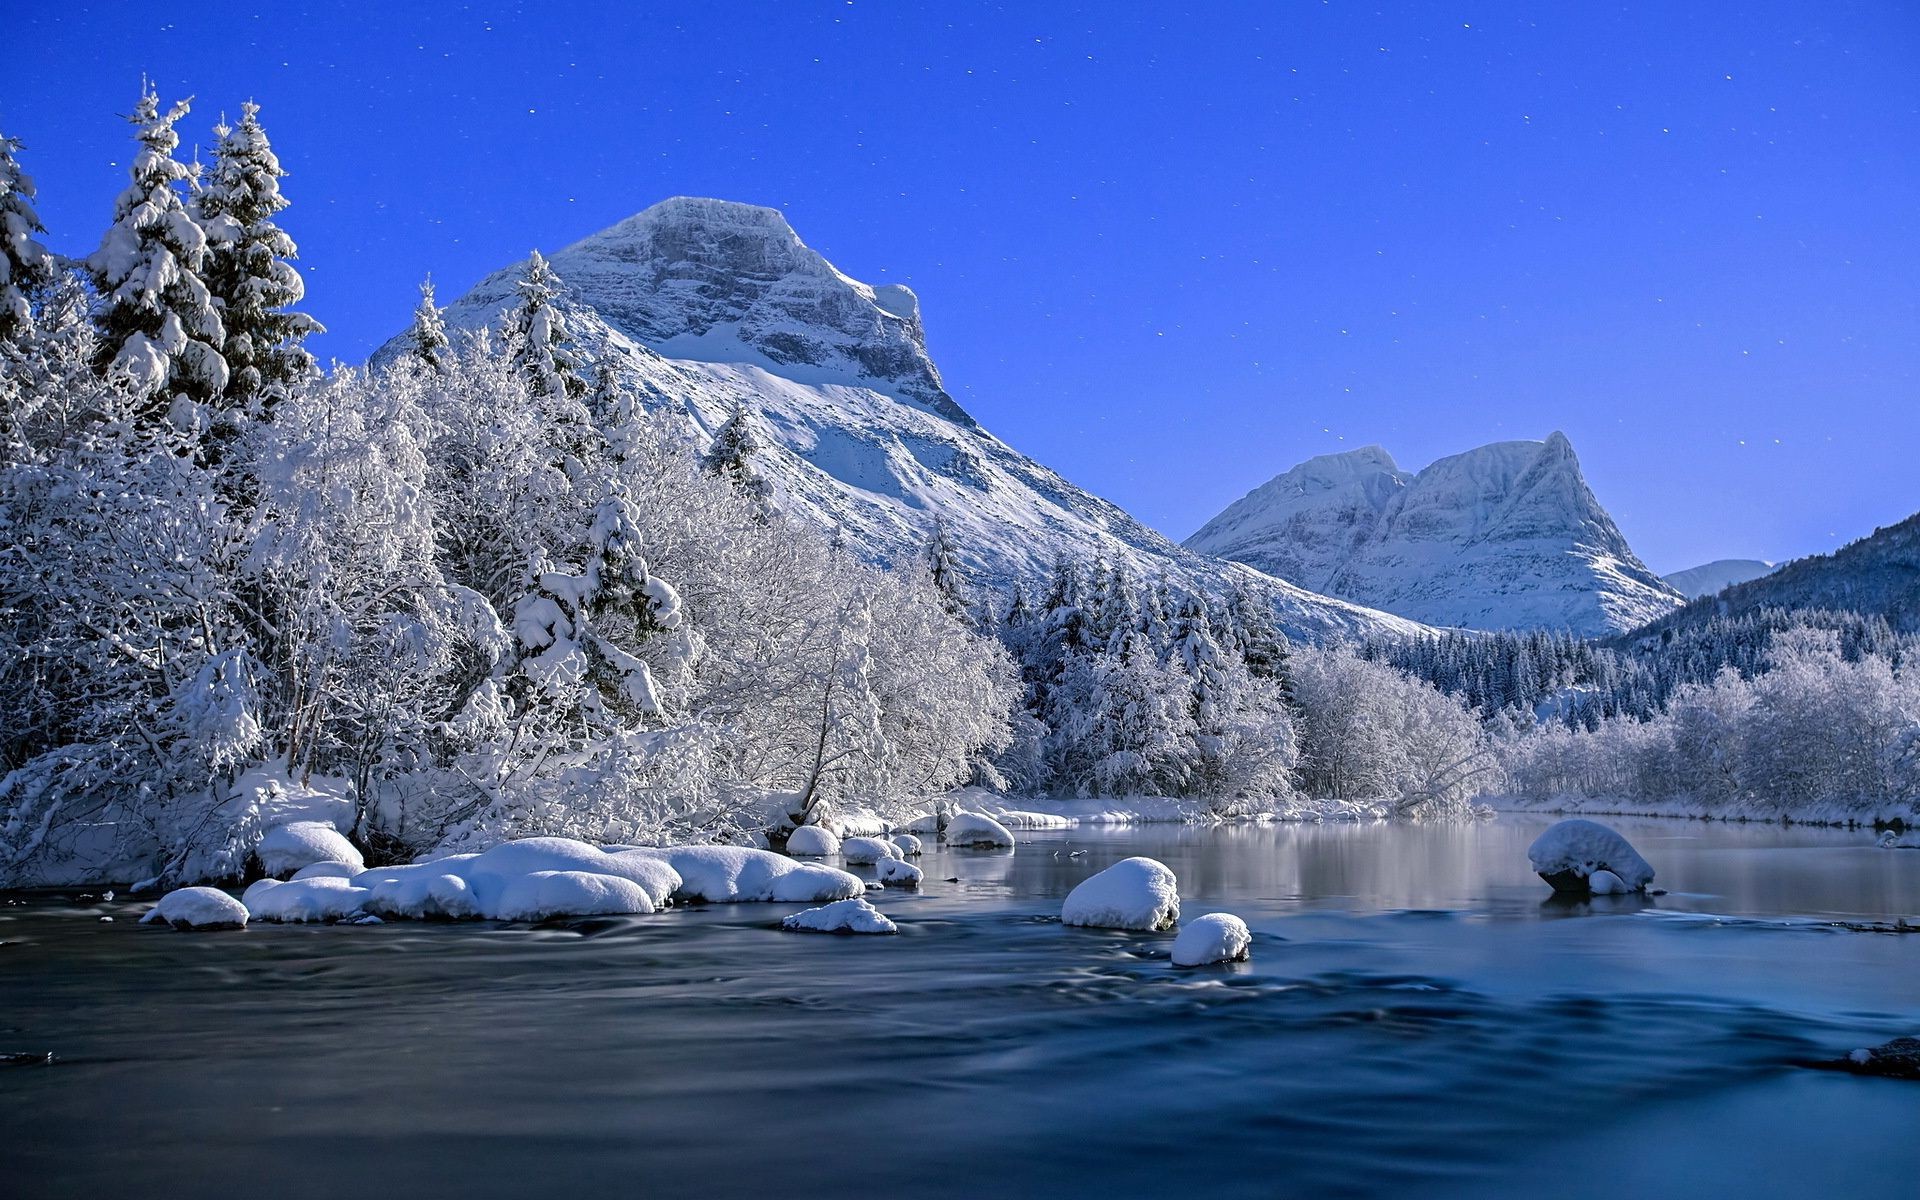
(1134, 893)
(907, 844)
(1570, 852)
(328, 869)
(898, 872)
(737, 874)
(842, 916)
(865, 851)
(198, 908)
(541, 895)
(328, 898)
(1505, 536)
(288, 848)
(489, 872)
(421, 894)
(1214, 938)
(811, 841)
(977, 830)
(721, 307)
(1710, 579)
(1606, 883)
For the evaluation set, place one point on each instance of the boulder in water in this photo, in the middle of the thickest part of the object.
(1570, 853)
(1214, 938)
(1134, 893)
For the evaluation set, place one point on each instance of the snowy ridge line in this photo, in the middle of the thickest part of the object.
(1505, 536)
(706, 309)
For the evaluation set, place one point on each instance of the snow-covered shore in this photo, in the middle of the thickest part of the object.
(1864, 813)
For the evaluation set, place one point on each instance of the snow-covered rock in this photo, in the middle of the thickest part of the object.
(1606, 883)
(1506, 536)
(907, 844)
(812, 841)
(842, 916)
(489, 872)
(1214, 938)
(197, 908)
(328, 898)
(288, 848)
(898, 872)
(706, 307)
(865, 851)
(738, 874)
(1134, 893)
(425, 892)
(978, 831)
(1571, 852)
(543, 895)
(325, 870)
(1710, 579)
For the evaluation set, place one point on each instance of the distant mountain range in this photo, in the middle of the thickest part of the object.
(1506, 536)
(1721, 573)
(1878, 574)
(708, 306)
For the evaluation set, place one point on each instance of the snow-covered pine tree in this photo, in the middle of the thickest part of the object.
(537, 332)
(249, 269)
(427, 336)
(1260, 641)
(160, 328)
(945, 572)
(735, 446)
(25, 265)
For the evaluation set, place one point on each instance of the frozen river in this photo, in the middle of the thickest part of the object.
(1420, 1018)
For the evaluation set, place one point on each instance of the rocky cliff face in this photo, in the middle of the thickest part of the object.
(705, 306)
(1508, 536)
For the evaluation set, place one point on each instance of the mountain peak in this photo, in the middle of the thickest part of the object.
(1506, 535)
(721, 281)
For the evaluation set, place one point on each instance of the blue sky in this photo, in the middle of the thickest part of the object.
(1167, 250)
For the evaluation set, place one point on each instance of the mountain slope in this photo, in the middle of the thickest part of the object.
(1721, 573)
(1506, 536)
(707, 306)
(1878, 574)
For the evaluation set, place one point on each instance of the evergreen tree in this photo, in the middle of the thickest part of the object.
(945, 571)
(735, 446)
(25, 265)
(249, 269)
(427, 337)
(161, 330)
(537, 332)
(1260, 641)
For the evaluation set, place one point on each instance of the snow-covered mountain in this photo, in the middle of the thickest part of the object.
(1709, 578)
(707, 306)
(1508, 536)
(1878, 574)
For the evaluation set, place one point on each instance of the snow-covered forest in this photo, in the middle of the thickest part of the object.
(480, 590)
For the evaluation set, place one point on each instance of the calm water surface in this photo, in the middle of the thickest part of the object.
(1419, 1014)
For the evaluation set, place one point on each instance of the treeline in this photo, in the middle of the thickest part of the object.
(478, 591)
(1576, 683)
(475, 593)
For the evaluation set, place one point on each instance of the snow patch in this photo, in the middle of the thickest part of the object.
(1134, 893)
(198, 908)
(977, 830)
(811, 841)
(1571, 852)
(543, 895)
(843, 916)
(289, 848)
(1214, 938)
